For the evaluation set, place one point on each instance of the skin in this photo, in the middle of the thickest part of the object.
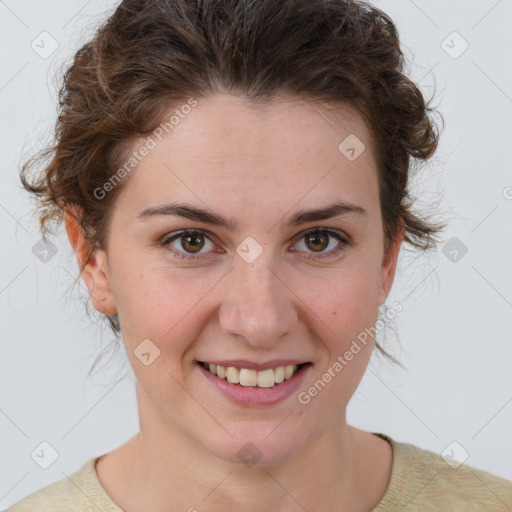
(226, 156)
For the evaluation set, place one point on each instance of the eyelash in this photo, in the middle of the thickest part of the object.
(344, 242)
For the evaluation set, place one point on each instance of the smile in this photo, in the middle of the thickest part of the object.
(253, 378)
(252, 387)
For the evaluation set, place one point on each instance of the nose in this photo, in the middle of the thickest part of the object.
(259, 306)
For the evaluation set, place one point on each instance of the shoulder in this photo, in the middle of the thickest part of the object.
(424, 480)
(79, 492)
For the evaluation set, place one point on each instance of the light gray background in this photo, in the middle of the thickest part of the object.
(455, 329)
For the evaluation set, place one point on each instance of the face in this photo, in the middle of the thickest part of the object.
(259, 291)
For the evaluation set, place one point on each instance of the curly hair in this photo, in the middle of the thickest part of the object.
(151, 55)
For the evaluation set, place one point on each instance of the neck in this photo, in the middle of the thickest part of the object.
(162, 469)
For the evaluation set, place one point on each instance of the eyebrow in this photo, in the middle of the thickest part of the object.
(190, 212)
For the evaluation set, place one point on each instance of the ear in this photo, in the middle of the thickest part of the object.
(95, 270)
(387, 273)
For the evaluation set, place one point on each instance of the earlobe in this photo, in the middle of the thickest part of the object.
(93, 267)
(95, 276)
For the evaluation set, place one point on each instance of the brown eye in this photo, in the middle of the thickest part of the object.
(325, 242)
(316, 241)
(187, 244)
(192, 243)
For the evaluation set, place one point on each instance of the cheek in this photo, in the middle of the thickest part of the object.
(351, 317)
(162, 305)
(352, 312)
(345, 302)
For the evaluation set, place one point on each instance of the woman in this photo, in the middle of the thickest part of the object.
(233, 179)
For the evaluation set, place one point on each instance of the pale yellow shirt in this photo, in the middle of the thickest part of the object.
(421, 481)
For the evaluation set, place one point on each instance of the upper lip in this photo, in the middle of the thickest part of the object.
(243, 363)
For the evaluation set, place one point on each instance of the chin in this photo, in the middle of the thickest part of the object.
(258, 446)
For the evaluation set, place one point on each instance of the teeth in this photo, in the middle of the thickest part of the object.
(288, 371)
(221, 371)
(233, 375)
(266, 378)
(246, 377)
(279, 374)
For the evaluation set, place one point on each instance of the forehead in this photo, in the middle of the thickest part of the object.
(229, 147)
(283, 123)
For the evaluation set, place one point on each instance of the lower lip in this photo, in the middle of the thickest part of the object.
(254, 396)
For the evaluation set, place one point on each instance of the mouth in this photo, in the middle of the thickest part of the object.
(248, 377)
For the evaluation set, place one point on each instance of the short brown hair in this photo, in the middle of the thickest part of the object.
(151, 55)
